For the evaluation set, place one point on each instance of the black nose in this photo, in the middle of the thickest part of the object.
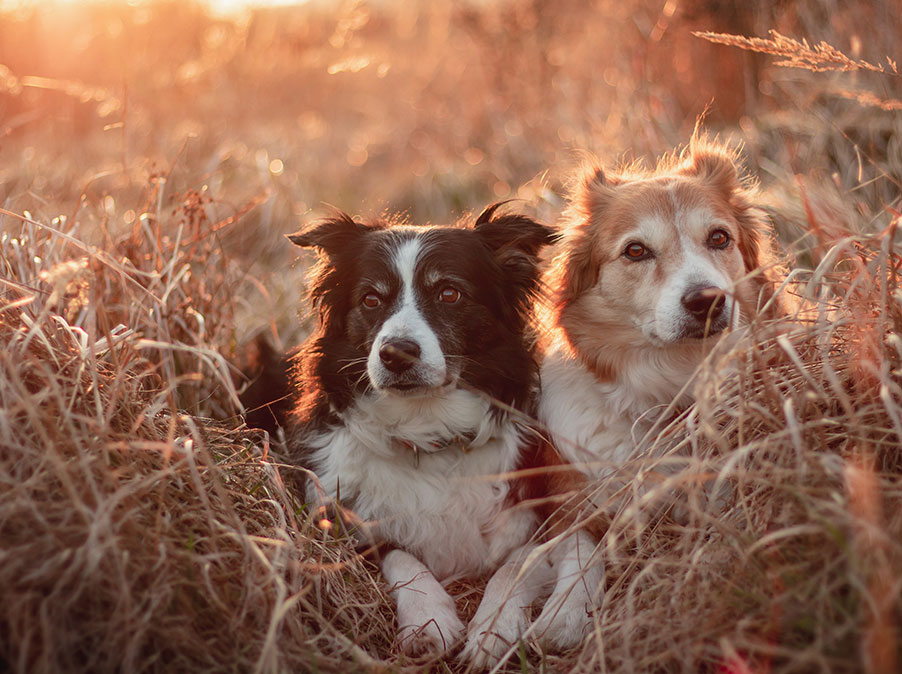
(398, 355)
(705, 303)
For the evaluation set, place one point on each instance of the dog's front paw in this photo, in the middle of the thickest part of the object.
(429, 632)
(565, 621)
(567, 617)
(488, 639)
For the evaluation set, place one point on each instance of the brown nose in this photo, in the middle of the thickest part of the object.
(705, 302)
(399, 355)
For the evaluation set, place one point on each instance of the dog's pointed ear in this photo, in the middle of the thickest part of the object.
(331, 235)
(515, 241)
(593, 190)
(513, 233)
(714, 164)
(596, 176)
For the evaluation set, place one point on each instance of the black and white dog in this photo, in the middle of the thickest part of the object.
(413, 392)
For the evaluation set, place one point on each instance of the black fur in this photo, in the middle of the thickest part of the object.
(493, 264)
(269, 397)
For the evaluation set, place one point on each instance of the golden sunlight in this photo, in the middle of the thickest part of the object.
(165, 166)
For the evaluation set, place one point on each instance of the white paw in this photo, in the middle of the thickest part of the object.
(428, 627)
(565, 621)
(567, 616)
(489, 638)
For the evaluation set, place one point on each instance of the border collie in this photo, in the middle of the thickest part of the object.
(654, 267)
(415, 394)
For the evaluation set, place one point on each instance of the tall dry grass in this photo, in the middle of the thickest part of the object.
(761, 529)
(151, 158)
(139, 533)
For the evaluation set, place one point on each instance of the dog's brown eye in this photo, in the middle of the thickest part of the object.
(719, 238)
(636, 251)
(371, 300)
(449, 295)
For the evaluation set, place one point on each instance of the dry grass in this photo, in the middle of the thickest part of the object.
(821, 57)
(778, 547)
(144, 529)
(138, 536)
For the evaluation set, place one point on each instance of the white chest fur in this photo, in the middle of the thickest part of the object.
(445, 506)
(598, 425)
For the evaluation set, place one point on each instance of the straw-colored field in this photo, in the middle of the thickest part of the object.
(151, 158)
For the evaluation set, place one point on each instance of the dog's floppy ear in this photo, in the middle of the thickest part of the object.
(756, 247)
(513, 232)
(575, 270)
(330, 235)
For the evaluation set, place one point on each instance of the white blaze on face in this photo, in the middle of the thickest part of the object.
(696, 272)
(407, 322)
(682, 262)
(689, 265)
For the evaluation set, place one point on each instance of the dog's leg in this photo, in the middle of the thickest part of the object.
(501, 618)
(567, 616)
(427, 617)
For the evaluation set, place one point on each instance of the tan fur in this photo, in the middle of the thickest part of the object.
(592, 315)
(628, 332)
(603, 206)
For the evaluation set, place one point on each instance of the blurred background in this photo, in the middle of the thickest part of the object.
(271, 111)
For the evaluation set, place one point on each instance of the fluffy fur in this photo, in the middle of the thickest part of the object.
(626, 335)
(408, 392)
(655, 265)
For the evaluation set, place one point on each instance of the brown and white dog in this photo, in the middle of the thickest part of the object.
(655, 266)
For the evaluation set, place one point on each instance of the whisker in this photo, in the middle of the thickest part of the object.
(467, 359)
(362, 377)
(351, 363)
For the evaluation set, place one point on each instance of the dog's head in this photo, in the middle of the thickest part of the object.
(407, 310)
(663, 257)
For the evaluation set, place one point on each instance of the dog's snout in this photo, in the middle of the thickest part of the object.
(399, 355)
(704, 303)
